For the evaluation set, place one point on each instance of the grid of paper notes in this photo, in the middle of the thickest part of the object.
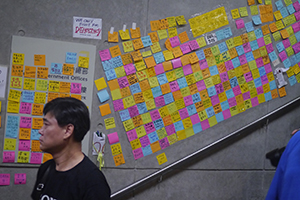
(166, 96)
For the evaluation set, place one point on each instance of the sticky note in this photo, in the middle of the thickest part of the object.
(8, 156)
(119, 159)
(110, 123)
(113, 138)
(161, 158)
(124, 34)
(243, 11)
(240, 23)
(18, 59)
(4, 179)
(254, 10)
(105, 109)
(116, 149)
(113, 37)
(256, 20)
(40, 60)
(103, 95)
(20, 179)
(235, 13)
(100, 83)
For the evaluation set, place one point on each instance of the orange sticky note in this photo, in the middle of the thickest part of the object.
(37, 109)
(113, 84)
(136, 55)
(265, 29)
(155, 147)
(35, 146)
(137, 44)
(126, 59)
(150, 62)
(105, 109)
(135, 33)
(282, 92)
(168, 44)
(17, 70)
(153, 37)
(37, 123)
(42, 72)
(273, 27)
(163, 24)
(30, 72)
(115, 51)
(64, 87)
(155, 25)
(68, 69)
(24, 133)
(284, 34)
(40, 60)
(119, 159)
(183, 37)
(46, 157)
(251, 2)
(114, 37)
(76, 96)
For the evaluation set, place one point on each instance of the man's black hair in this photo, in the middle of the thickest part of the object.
(69, 110)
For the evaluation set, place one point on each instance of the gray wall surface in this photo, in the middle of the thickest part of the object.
(235, 171)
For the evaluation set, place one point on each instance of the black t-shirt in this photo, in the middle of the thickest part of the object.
(84, 181)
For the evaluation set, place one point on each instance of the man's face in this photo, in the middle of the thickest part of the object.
(52, 135)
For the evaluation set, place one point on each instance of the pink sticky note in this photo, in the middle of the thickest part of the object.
(261, 42)
(254, 101)
(133, 111)
(174, 41)
(24, 145)
(129, 69)
(4, 179)
(246, 95)
(76, 88)
(138, 153)
(232, 102)
(170, 129)
(282, 55)
(296, 5)
(20, 179)
(149, 127)
(185, 48)
(36, 158)
(118, 105)
(176, 63)
(269, 48)
(188, 100)
(268, 68)
(123, 82)
(259, 62)
(215, 99)
(247, 47)
(239, 23)
(260, 90)
(195, 118)
(174, 86)
(286, 43)
(219, 88)
(8, 156)
(296, 26)
(164, 143)
(155, 115)
(226, 114)
(194, 45)
(131, 135)
(297, 15)
(187, 69)
(201, 85)
(25, 122)
(25, 108)
(224, 77)
(296, 48)
(183, 113)
(243, 59)
(113, 138)
(205, 124)
(104, 55)
(248, 76)
(236, 90)
(159, 69)
(159, 101)
(203, 64)
(145, 141)
(229, 65)
(264, 79)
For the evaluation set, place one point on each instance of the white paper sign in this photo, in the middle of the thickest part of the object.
(3, 78)
(90, 28)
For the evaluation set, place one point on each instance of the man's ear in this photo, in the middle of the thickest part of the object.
(69, 131)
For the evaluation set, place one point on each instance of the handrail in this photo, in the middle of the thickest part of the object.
(199, 152)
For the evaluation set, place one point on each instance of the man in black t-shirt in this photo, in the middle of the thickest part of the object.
(70, 174)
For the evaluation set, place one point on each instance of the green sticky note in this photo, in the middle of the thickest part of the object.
(288, 2)
(268, 2)
(293, 40)
(251, 36)
(254, 10)
(289, 51)
(243, 11)
(276, 36)
(215, 50)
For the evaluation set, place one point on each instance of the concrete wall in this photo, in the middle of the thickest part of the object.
(235, 171)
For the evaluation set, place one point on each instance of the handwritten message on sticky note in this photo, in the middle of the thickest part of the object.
(4, 179)
(8, 156)
(20, 179)
(40, 60)
(110, 123)
(161, 158)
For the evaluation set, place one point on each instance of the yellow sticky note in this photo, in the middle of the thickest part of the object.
(277, 15)
(162, 34)
(155, 47)
(128, 125)
(172, 32)
(9, 144)
(105, 109)
(243, 11)
(168, 55)
(254, 10)
(180, 20)
(40, 60)
(171, 21)
(124, 34)
(116, 149)
(161, 158)
(16, 82)
(146, 53)
(18, 59)
(40, 97)
(100, 83)
(83, 62)
(235, 13)
(110, 123)
(127, 46)
(14, 95)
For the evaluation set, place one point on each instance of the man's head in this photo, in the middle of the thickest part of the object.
(70, 111)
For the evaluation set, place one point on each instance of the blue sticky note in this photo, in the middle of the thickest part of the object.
(225, 105)
(254, 45)
(110, 74)
(162, 79)
(227, 32)
(147, 150)
(229, 93)
(292, 80)
(262, 71)
(168, 98)
(293, 60)
(268, 96)
(34, 135)
(71, 57)
(178, 126)
(249, 56)
(273, 85)
(135, 88)
(211, 91)
(236, 62)
(191, 109)
(200, 54)
(27, 96)
(153, 137)
(103, 95)
(298, 57)
(284, 12)
(159, 57)
(146, 41)
(158, 124)
(210, 112)
(220, 35)
(297, 35)
(56, 68)
(291, 9)
(197, 128)
(107, 65)
(233, 82)
(256, 20)
(279, 4)
(142, 108)
(116, 61)
(12, 126)
(182, 82)
(287, 63)
(249, 26)
(213, 70)
(156, 91)
(240, 50)
(124, 115)
(196, 97)
(222, 47)
(273, 56)
(257, 82)
(280, 46)
(258, 33)
(219, 117)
